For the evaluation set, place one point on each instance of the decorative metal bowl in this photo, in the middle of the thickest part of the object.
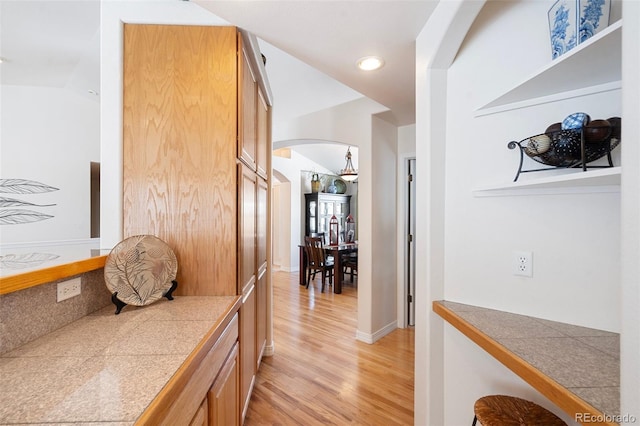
(563, 148)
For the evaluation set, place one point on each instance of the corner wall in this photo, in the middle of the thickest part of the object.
(40, 128)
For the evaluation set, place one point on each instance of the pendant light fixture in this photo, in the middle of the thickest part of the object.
(349, 173)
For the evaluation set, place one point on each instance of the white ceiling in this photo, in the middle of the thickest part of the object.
(330, 36)
(50, 44)
(311, 49)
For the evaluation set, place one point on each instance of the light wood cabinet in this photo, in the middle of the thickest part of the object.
(196, 173)
(201, 417)
(223, 397)
(254, 148)
(247, 112)
(247, 183)
(248, 348)
(179, 148)
(262, 215)
(263, 131)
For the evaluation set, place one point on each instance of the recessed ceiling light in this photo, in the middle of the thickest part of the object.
(2, 59)
(370, 63)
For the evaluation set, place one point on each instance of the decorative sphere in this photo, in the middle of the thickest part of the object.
(555, 127)
(597, 131)
(575, 121)
(538, 145)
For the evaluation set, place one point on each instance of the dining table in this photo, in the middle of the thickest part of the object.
(337, 251)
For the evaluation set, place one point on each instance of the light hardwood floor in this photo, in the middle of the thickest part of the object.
(320, 374)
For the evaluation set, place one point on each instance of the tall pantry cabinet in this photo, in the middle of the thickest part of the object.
(196, 167)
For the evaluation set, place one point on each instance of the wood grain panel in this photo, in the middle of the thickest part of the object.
(180, 105)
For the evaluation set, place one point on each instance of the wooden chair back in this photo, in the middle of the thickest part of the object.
(315, 252)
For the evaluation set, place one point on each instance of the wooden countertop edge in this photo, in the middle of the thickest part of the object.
(557, 393)
(12, 283)
(153, 413)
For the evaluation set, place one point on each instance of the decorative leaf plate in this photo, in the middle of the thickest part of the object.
(140, 269)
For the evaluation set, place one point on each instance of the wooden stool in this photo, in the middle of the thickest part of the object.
(502, 410)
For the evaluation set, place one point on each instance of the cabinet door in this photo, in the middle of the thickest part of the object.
(224, 406)
(262, 209)
(247, 228)
(247, 348)
(262, 136)
(247, 109)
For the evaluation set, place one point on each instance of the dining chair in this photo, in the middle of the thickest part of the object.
(319, 234)
(317, 261)
(350, 265)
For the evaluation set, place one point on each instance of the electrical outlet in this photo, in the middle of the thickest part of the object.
(70, 288)
(523, 263)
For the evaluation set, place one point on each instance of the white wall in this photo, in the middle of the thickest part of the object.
(281, 224)
(561, 230)
(50, 135)
(576, 272)
(630, 292)
(384, 285)
(288, 208)
(353, 123)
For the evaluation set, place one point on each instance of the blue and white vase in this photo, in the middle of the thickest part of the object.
(563, 28)
(594, 17)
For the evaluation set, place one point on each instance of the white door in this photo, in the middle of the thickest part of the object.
(410, 239)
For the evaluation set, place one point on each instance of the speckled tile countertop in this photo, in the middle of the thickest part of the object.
(584, 361)
(104, 367)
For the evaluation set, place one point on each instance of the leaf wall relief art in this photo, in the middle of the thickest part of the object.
(14, 211)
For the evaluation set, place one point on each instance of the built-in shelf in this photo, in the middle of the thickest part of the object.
(537, 351)
(592, 67)
(573, 181)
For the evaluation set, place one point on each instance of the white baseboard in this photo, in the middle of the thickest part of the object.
(285, 269)
(372, 338)
(269, 350)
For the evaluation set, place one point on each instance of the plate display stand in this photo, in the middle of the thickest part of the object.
(120, 304)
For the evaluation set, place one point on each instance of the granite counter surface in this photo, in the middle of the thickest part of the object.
(584, 361)
(104, 368)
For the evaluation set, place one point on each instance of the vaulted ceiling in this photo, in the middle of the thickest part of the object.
(311, 49)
